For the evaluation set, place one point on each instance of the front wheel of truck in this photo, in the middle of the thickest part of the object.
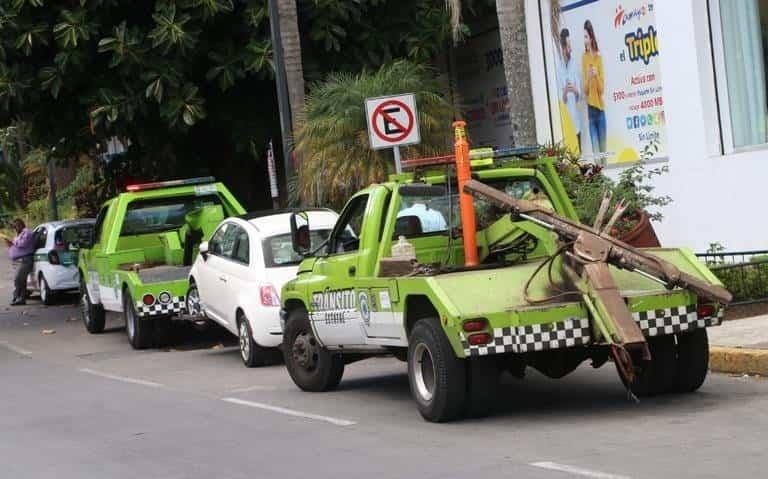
(139, 330)
(93, 314)
(436, 376)
(312, 367)
(692, 360)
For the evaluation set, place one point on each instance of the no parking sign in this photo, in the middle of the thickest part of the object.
(392, 121)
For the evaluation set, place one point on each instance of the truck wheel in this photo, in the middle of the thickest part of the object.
(437, 377)
(692, 360)
(312, 367)
(46, 295)
(93, 314)
(482, 386)
(658, 375)
(251, 353)
(140, 331)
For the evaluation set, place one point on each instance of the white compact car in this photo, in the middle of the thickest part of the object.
(237, 277)
(55, 266)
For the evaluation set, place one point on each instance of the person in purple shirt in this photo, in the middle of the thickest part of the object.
(21, 249)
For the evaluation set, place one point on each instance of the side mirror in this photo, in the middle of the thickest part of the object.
(203, 248)
(300, 238)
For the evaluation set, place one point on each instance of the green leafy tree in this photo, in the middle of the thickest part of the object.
(333, 138)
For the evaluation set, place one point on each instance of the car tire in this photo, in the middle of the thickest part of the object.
(47, 296)
(94, 316)
(140, 331)
(251, 353)
(658, 375)
(438, 379)
(483, 381)
(692, 360)
(312, 367)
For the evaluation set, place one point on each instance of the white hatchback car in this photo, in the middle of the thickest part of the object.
(237, 277)
(55, 257)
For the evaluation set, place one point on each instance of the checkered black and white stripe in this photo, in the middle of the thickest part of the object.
(673, 320)
(537, 337)
(176, 305)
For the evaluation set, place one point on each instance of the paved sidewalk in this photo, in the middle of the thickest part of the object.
(740, 346)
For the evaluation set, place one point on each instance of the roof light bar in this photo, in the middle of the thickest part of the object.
(167, 184)
(479, 156)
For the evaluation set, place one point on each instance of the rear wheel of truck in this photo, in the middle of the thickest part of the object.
(438, 379)
(47, 296)
(483, 375)
(312, 367)
(658, 375)
(692, 360)
(251, 353)
(140, 331)
(93, 314)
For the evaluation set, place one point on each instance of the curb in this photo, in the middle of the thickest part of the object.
(738, 360)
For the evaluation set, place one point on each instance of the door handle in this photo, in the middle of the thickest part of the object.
(352, 270)
(223, 278)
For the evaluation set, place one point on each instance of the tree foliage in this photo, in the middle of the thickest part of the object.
(333, 138)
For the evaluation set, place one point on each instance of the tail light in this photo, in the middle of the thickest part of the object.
(479, 339)
(148, 299)
(705, 310)
(53, 257)
(60, 245)
(269, 296)
(475, 325)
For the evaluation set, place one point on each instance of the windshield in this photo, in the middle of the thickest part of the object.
(162, 214)
(278, 249)
(73, 237)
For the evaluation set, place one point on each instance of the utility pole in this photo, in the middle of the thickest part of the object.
(53, 204)
(283, 101)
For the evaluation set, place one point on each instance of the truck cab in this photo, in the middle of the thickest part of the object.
(144, 244)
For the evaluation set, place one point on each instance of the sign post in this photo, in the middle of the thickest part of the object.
(393, 121)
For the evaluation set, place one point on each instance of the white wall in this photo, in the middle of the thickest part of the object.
(716, 198)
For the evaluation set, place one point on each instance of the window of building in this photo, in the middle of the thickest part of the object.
(740, 35)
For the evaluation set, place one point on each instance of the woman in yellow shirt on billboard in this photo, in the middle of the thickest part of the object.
(593, 84)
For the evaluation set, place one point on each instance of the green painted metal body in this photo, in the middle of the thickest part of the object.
(108, 265)
(493, 293)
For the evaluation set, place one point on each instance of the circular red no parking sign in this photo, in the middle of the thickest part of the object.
(396, 127)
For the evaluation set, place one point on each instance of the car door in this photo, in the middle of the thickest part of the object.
(40, 256)
(334, 311)
(236, 275)
(212, 280)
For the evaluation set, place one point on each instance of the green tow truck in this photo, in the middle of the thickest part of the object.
(144, 243)
(536, 297)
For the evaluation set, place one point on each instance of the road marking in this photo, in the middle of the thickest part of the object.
(291, 412)
(16, 349)
(121, 378)
(576, 471)
(252, 388)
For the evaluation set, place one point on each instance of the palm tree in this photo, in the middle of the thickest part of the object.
(332, 139)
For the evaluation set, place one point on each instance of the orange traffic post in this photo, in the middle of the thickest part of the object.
(466, 202)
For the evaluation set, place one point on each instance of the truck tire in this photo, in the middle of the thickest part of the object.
(483, 381)
(93, 314)
(140, 331)
(438, 379)
(692, 360)
(251, 353)
(312, 367)
(657, 376)
(47, 296)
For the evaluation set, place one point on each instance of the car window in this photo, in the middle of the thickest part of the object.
(425, 213)
(215, 244)
(347, 233)
(99, 226)
(528, 189)
(41, 237)
(162, 214)
(242, 249)
(73, 237)
(278, 249)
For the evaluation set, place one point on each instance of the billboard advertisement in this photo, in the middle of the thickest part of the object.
(608, 79)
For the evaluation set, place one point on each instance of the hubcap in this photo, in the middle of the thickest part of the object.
(424, 372)
(86, 310)
(193, 302)
(245, 343)
(42, 286)
(305, 351)
(130, 320)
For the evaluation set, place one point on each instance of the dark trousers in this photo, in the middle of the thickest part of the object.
(20, 283)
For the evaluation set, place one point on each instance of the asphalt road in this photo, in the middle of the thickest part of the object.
(74, 405)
